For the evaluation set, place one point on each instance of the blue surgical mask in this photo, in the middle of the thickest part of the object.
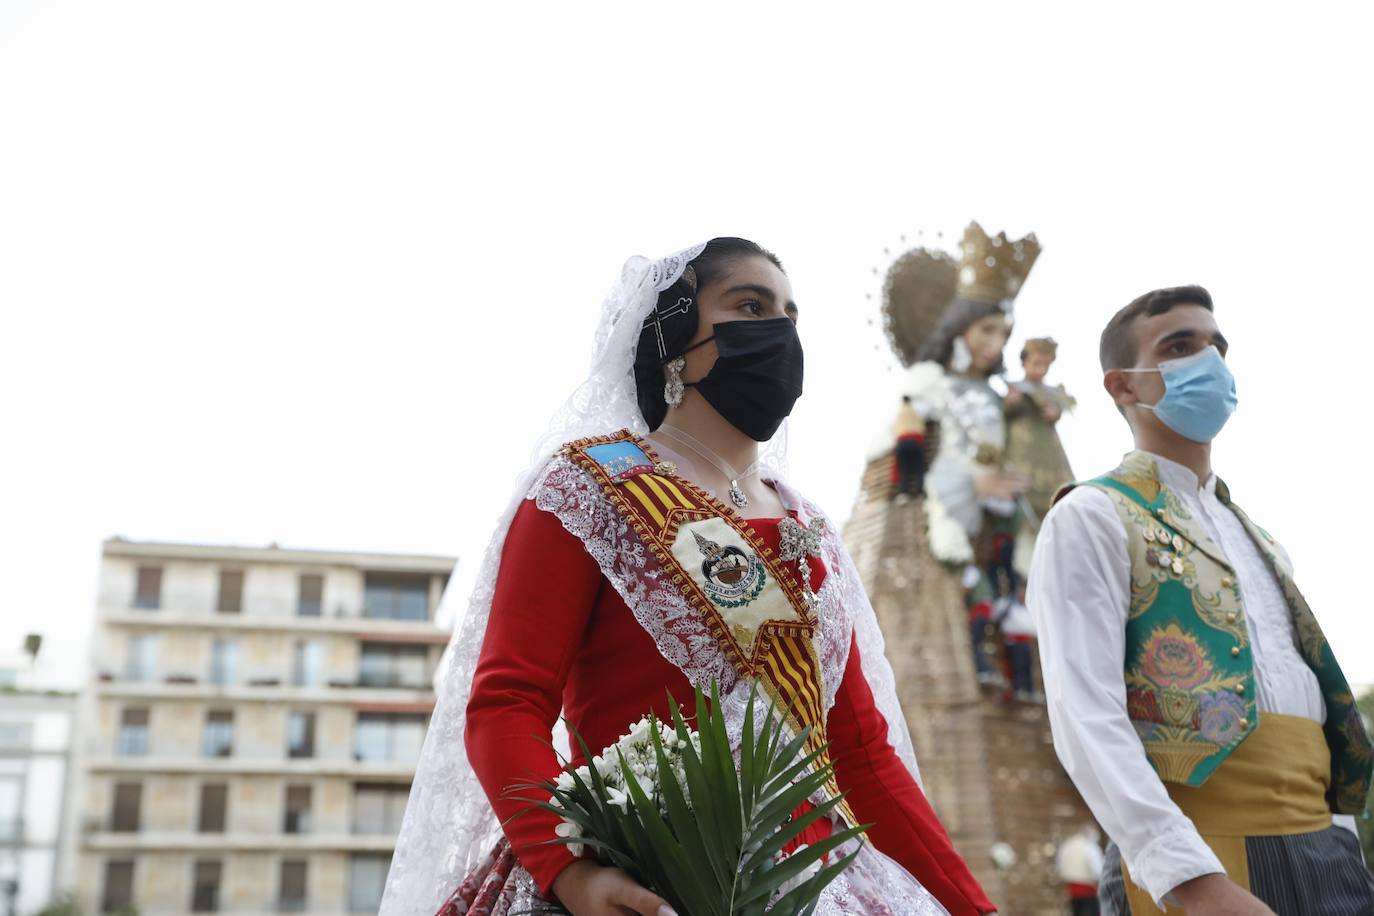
(1199, 394)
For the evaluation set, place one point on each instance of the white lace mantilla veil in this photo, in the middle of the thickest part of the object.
(449, 826)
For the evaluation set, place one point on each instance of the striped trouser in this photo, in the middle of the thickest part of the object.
(1305, 874)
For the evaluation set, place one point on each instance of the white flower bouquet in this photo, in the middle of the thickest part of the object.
(670, 806)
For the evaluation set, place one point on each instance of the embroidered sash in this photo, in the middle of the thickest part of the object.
(760, 616)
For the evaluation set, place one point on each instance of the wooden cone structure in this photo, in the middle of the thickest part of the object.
(988, 764)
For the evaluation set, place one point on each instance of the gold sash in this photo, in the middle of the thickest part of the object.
(1274, 784)
(767, 630)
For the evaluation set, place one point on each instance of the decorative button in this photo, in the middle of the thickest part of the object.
(1240, 689)
(1231, 617)
(1235, 651)
(1225, 581)
(1244, 723)
(1159, 510)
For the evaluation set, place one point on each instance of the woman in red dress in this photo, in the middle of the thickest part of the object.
(667, 554)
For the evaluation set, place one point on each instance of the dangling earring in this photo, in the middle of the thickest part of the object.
(962, 357)
(673, 389)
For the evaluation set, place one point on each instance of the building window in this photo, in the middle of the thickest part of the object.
(11, 809)
(205, 886)
(379, 807)
(224, 662)
(219, 733)
(230, 591)
(311, 600)
(300, 734)
(128, 799)
(140, 663)
(393, 665)
(291, 896)
(118, 893)
(15, 736)
(366, 878)
(214, 807)
(148, 591)
(306, 664)
(133, 732)
(396, 597)
(297, 818)
(391, 737)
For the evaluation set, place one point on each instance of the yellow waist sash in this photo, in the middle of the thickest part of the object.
(1274, 784)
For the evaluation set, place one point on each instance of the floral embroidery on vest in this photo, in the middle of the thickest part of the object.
(1189, 672)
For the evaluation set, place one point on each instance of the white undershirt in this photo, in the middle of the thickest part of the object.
(1079, 593)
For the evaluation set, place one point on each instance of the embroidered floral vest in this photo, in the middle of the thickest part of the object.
(1190, 688)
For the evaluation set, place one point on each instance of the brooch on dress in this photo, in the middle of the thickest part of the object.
(798, 542)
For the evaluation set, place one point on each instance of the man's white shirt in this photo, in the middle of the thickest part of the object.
(1079, 593)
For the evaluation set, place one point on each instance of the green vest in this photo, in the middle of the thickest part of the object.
(1190, 687)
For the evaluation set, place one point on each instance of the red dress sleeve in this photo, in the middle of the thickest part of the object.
(545, 592)
(882, 791)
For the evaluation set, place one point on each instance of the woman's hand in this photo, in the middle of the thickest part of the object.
(587, 889)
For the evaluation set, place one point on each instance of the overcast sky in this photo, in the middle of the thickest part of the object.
(318, 272)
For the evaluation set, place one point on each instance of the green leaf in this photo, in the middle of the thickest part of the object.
(722, 762)
(794, 865)
(792, 829)
(802, 899)
(706, 805)
(709, 848)
(677, 881)
(684, 826)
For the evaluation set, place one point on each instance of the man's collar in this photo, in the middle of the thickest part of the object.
(1178, 477)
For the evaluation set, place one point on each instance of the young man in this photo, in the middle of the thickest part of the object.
(1194, 701)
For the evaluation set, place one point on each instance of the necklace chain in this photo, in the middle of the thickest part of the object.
(736, 492)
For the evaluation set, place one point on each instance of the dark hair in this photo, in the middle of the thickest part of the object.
(715, 260)
(960, 315)
(1118, 348)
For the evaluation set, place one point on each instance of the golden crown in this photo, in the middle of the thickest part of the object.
(993, 268)
(921, 283)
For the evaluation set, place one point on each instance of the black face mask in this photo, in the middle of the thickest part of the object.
(757, 376)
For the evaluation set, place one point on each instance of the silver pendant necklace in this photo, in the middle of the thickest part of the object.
(736, 491)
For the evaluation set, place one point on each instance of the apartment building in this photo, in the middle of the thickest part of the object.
(251, 726)
(35, 746)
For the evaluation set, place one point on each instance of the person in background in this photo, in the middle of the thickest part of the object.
(1079, 864)
(909, 429)
(978, 600)
(1014, 621)
(1194, 700)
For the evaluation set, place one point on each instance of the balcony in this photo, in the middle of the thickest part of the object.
(360, 692)
(399, 771)
(239, 841)
(419, 632)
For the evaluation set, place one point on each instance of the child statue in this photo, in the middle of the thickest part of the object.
(1032, 408)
